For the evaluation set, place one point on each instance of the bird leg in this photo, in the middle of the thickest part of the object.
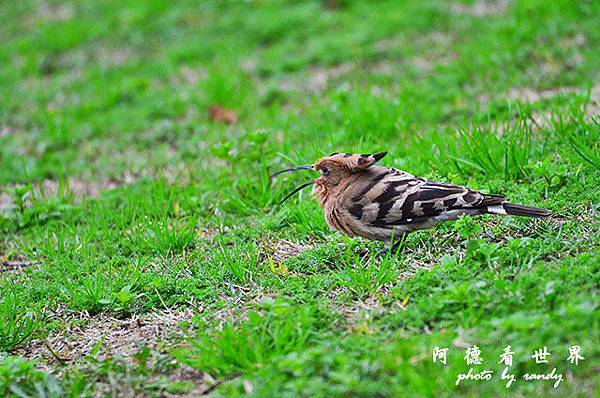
(393, 245)
(398, 244)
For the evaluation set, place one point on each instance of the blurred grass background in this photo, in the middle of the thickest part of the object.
(121, 197)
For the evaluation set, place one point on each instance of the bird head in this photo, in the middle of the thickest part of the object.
(334, 168)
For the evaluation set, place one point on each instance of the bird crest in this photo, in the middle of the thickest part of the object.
(349, 161)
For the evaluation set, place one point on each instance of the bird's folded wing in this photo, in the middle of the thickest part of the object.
(398, 198)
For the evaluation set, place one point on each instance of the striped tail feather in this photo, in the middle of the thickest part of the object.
(512, 209)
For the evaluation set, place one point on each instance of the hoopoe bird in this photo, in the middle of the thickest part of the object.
(359, 198)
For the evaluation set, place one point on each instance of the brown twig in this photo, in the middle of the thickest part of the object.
(10, 265)
(54, 354)
(219, 382)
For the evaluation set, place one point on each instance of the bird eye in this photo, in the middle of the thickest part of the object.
(325, 170)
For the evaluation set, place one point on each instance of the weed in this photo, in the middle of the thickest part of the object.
(17, 324)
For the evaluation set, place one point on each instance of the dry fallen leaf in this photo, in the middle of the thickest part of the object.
(219, 114)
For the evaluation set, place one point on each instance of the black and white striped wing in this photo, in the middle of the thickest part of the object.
(398, 198)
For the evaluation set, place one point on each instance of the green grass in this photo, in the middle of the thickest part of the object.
(155, 208)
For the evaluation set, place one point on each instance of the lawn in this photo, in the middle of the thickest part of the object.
(143, 251)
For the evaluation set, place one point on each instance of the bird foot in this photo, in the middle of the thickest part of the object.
(389, 251)
(383, 252)
(368, 255)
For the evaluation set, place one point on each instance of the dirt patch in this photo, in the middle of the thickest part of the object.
(434, 48)
(317, 78)
(283, 249)
(386, 68)
(49, 188)
(54, 12)
(426, 62)
(594, 105)
(5, 202)
(77, 187)
(249, 65)
(480, 8)
(80, 188)
(108, 57)
(121, 386)
(109, 336)
(4, 130)
(542, 119)
(422, 64)
(359, 313)
(203, 382)
(189, 76)
(527, 94)
(106, 338)
(531, 95)
(209, 233)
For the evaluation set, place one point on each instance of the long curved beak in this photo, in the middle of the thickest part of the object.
(301, 187)
(303, 167)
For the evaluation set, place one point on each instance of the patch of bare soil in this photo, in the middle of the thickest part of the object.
(283, 249)
(4, 130)
(109, 336)
(108, 57)
(203, 382)
(480, 8)
(429, 60)
(54, 12)
(543, 119)
(189, 76)
(435, 49)
(81, 188)
(5, 202)
(76, 187)
(526, 94)
(317, 79)
(359, 314)
(209, 233)
(594, 105)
